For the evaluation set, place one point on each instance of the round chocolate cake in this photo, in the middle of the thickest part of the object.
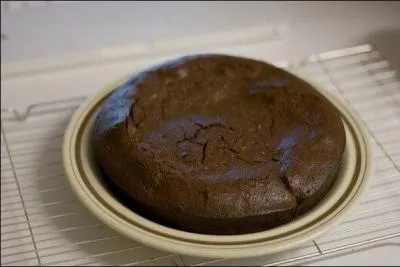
(218, 144)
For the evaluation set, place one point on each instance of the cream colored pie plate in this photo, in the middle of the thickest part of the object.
(84, 178)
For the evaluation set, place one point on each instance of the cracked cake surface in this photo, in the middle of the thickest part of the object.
(218, 144)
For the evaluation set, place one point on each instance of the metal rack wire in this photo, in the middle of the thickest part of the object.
(42, 223)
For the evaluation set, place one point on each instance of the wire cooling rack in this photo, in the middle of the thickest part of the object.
(42, 222)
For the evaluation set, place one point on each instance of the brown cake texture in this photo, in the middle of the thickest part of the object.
(218, 144)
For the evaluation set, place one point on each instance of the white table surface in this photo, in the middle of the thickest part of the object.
(63, 28)
(35, 30)
(314, 26)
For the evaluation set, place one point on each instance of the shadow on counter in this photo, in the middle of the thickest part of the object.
(387, 42)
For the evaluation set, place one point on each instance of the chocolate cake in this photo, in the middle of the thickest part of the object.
(218, 144)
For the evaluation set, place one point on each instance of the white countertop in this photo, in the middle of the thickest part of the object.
(65, 28)
(80, 26)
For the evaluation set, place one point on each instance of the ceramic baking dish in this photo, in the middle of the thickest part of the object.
(85, 179)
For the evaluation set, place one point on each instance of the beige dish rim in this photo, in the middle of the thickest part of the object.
(114, 214)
